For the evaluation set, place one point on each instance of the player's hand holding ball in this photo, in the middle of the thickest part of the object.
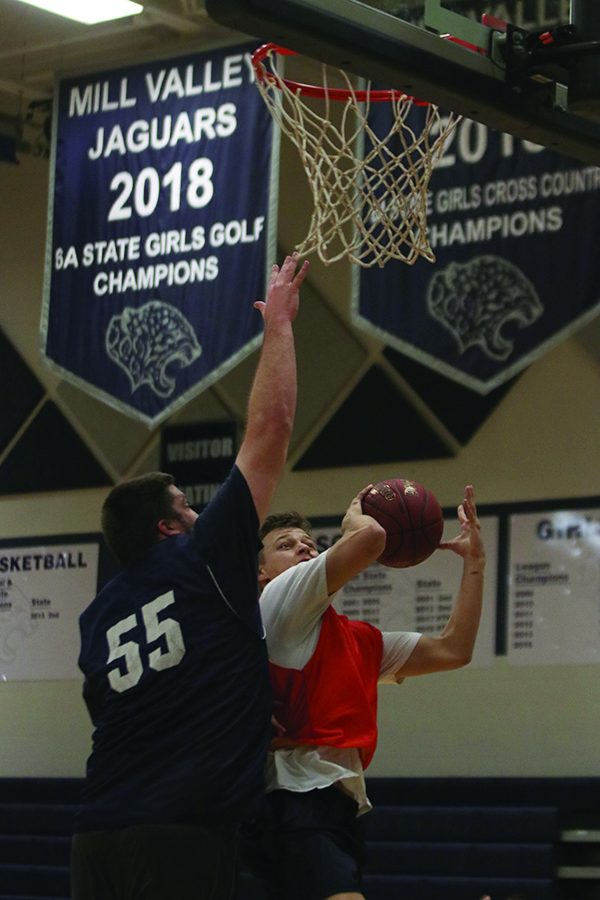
(412, 518)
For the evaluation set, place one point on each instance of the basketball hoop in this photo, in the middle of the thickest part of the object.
(369, 191)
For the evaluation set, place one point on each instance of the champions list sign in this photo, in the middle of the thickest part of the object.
(514, 227)
(160, 229)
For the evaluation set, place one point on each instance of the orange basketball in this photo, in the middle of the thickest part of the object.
(412, 518)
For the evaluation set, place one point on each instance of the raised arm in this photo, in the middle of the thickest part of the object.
(272, 401)
(362, 541)
(453, 648)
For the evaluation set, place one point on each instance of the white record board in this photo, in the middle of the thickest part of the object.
(44, 588)
(554, 587)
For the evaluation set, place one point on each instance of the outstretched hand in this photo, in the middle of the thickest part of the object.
(468, 543)
(283, 293)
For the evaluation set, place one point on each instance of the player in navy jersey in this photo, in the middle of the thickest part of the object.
(175, 661)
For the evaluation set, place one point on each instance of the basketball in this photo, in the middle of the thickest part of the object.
(412, 518)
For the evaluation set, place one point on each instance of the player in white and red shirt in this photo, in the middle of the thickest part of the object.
(324, 671)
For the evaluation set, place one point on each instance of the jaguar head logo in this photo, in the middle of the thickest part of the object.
(479, 300)
(149, 342)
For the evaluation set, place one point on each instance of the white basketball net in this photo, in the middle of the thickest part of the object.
(370, 201)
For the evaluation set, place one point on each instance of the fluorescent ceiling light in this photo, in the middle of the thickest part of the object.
(89, 11)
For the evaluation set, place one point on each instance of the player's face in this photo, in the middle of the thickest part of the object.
(283, 548)
(183, 516)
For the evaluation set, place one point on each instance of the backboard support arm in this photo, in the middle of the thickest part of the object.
(396, 54)
(445, 21)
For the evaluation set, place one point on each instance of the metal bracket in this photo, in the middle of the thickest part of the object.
(445, 21)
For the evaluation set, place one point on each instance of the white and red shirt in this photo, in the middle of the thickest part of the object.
(324, 670)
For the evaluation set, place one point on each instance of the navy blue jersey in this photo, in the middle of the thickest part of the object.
(176, 677)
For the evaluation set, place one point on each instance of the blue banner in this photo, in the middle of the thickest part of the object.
(161, 229)
(513, 227)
